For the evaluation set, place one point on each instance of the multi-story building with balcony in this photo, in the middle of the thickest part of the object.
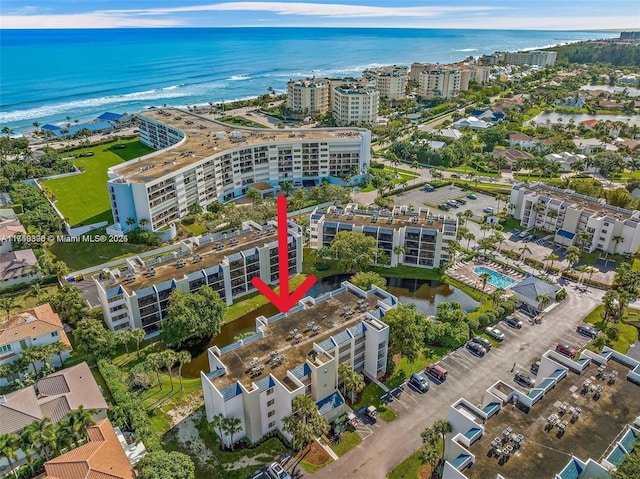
(441, 83)
(136, 293)
(257, 378)
(355, 104)
(308, 96)
(468, 72)
(575, 219)
(533, 57)
(390, 81)
(203, 160)
(413, 238)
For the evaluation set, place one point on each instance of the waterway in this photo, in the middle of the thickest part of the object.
(578, 118)
(425, 294)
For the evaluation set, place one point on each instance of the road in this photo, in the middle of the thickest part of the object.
(469, 377)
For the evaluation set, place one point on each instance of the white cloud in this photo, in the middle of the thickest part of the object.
(83, 20)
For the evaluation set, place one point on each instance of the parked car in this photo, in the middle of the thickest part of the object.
(461, 201)
(587, 330)
(535, 367)
(453, 204)
(495, 333)
(484, 342)
(436, 371)
(566, 350)
(488, 209)
(276, 471)
(513, 322)
(87, 154)
(419, 383)
(522, 378)
(455, 175)
(444, 207)
(472, 196)
(429, 188)
(476, 349)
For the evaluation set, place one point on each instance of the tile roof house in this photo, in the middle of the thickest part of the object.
(471, 122)
(101, 458)
(34, 327)
(531, 289)
(512, 155)
(18, 267)
(52, 396)
(8, 229)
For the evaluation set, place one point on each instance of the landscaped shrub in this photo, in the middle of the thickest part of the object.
(561, 295)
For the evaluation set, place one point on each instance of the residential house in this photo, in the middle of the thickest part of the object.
(488, 115)
(571, 102)
(18, 267)
(566, 160)
(8, 229)
(521, 140)
(472, 123)
(588, 146)
(511, 155)
(38, 326)
(450, 133)
(102, 457)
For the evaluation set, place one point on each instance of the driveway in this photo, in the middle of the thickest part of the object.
(468, 377)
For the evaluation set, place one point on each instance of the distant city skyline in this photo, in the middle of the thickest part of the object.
(462, 14)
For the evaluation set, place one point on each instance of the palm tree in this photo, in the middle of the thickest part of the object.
(7, 303)
(137, 335)
(35, 290)
(468, 214)
(36, 125)
(512, 255)
(468, 235)
(343, 371)
(130, 221)
(543, 299)
(485, 277)
(585, 238)
(498, 238)
(231, 426)
(80, 419)
(442, 427)
(253, 194)
(168, 359)
(429, 455)
(524, 249)
(616, 240)
(182, 358)
(9, 446)
(415, 165)
(216, 423)
(485, 227)
(123, 338)
(573, 255)
(143, 222)
(58, 348)
(155, 362)
(42, 434)
(551, 258)
(399, 251)
(354, 382)
(500, 198)
(286, 187)
(496, 296)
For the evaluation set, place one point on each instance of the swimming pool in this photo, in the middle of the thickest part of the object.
(496, 279)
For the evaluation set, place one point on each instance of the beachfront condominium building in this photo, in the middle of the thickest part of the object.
(468, 72)
(442, 83)
(257, 378)
(576, 220)
(391, 81)
(413, 238)
(355, 104)
(203, 160)
(309, 96)
(135, 294)
(533, 57)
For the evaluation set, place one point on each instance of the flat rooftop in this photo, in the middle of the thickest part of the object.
(545, 454)
(327, 314)
(581, 202)
(201, 142)
(211, 255)
(421, 219)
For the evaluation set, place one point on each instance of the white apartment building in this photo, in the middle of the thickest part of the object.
(439, 83)
(256, 379)
(355, 104)
(202, 160)
(136, 293)
(469, 72)
(308, 96)
(533, 57)
(390, 81)
(38, 326)
(568, 214)
(424, 236)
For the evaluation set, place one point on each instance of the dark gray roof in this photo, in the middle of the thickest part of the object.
(532, 287)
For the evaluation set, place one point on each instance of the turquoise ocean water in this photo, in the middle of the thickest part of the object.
(48, 75)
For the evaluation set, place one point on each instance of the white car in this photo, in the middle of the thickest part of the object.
(495, 333)
(276, 471)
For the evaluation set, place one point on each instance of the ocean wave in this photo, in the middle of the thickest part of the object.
(466, 50)
(238, 77)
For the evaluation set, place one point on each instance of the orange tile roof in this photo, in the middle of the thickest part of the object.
(31, 324)
(9, 231)
(101, 458)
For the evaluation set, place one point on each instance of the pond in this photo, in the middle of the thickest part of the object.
(578, 118)
(424, 293)
(630, 91)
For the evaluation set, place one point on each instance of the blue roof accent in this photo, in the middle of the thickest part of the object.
(566, 234)
(546, 383)
(557, 373)
(616, 456)
(472, 432)
(342, 337)
(265, 383)
(108, 116)
(357, 330)
(490, 407)
(458, 461)
(50, 127)
(231, 391)
(330, 403)
(327, 344)
(571, 470)
(629, 440)
(301, 370)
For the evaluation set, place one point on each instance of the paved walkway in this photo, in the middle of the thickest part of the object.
(326, 447)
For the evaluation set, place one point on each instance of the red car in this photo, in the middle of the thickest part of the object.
(566, 350)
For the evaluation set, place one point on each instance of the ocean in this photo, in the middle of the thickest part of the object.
(49, 75)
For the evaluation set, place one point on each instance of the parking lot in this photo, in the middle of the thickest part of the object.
(419, 198)
(468, 377)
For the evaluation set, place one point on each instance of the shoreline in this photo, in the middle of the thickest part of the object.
(21, 132)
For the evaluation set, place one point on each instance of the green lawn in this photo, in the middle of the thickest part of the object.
(465, 170)
(350, 440)
(241, 121)
(511, 224)
(26, 299)
(408, 469)
(309, 266)
(83, 255)
(628, 334)
(408, 272)
(83, 199)
(371, 397)
(404, 369)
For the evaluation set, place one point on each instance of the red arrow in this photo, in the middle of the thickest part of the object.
(286, 300)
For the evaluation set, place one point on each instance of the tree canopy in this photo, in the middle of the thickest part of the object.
(166, 465)
(366, 279)
(406, 331)
(94, 339)
(353, 251)
(194, 315)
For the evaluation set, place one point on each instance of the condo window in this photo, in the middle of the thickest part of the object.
(270, 391)
(5, 348)
(271, 424)
(270, 402)
(271, 413)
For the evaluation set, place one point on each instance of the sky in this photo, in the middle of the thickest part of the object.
(482, 14)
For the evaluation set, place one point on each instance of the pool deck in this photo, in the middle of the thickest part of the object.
(464, 272)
